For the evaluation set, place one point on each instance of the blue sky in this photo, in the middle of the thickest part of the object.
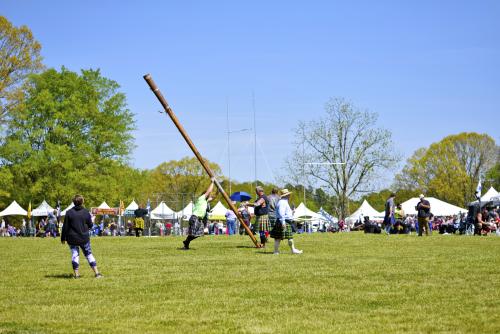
(428, 68)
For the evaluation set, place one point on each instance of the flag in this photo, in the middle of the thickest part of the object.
(478, 189)
(29, 211)
(148, 206)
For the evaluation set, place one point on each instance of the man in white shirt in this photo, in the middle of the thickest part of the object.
(282, 228)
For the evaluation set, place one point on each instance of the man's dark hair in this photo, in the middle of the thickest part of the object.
(393, 195)
(78, 200)
(274, 191)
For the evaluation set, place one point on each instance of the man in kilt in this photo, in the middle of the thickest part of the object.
(196, 225)
(282, 228)
(261, 206)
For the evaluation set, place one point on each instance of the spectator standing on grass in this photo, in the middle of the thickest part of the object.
(231, 221)
(423, 209)
(283, 227)
(75, 232)
(140, 213)
(261, 210)
(245, 215)
(52, 223)
(389, 213)
(196, 226)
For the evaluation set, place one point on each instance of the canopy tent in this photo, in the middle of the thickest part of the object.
(186, 213)
(218, 212)
(365, 210)
(489, 195)
(438, 207)
(63, 213)
(14, 209)
(104, 205)
(327, 217)
(129, 210)
(162, 211)
(42, 210)
(302, 213)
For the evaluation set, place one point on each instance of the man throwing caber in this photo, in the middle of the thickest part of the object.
(196, 226)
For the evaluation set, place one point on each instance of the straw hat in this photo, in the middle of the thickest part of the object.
(285, 192)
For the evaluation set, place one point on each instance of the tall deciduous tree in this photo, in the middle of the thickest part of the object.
(19, 56)
(69, 134)
(450, 169)
(344, 135)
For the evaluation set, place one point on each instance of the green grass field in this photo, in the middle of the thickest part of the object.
(345, 283)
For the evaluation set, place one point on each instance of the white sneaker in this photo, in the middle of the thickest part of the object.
(296, 251)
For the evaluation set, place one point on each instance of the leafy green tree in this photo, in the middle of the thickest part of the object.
(19, 57)
(492, 177)
(450, 169)
(69, 134)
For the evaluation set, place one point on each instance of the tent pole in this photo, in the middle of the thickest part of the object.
(202, 161)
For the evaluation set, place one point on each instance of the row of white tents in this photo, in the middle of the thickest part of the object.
(301, 213)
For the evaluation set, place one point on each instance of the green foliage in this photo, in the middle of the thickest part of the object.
(69, 134)
(20, 56)
(341, 284)
(492, 177)
(450, 168)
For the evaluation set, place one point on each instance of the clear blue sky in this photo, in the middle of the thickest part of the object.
(428, 68)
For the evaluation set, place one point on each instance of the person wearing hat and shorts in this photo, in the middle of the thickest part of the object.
(423, 209)
(282, 228)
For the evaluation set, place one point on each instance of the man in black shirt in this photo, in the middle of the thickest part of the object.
(139, 214)
(75, 232)
(423, 213)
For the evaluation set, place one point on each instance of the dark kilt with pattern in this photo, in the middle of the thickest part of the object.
(196, 227)
(280, 232)
(262, 223)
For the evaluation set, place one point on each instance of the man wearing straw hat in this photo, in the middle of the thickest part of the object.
(282, 228)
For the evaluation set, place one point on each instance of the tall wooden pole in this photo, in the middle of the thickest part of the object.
(188, 140)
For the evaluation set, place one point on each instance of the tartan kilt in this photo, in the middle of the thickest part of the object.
(278, 232)
(263, 223)
(139, 223)
(196, 227)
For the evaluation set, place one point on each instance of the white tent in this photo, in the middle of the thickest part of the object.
(186, 213)
(104, 205)
(162, 211)
(489, 195)
(14, 209)
(302, 213)
(218, 212)
(42, 210)
(438, 207)
(63, 213)
(365, 210)
(129, 210)
(327, 217)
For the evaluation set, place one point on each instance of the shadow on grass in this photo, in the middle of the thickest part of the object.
(265, 253)
(60, 276)
(243, 247)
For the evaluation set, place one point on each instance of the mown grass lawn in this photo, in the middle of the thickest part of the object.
(345, 283)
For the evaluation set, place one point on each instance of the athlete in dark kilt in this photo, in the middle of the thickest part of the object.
(261, 206)
(196, 226)
(282, 228)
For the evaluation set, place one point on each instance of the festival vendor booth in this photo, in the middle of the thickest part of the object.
(42, 210)
(185, 213)
(15, 209)
(161, 217)
(438, 208)
(217, 216)
(105, 219)
(306, 218)
(488, 196)
(365, 210)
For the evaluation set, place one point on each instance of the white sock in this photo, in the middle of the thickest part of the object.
(277, 245)
(290, 243)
